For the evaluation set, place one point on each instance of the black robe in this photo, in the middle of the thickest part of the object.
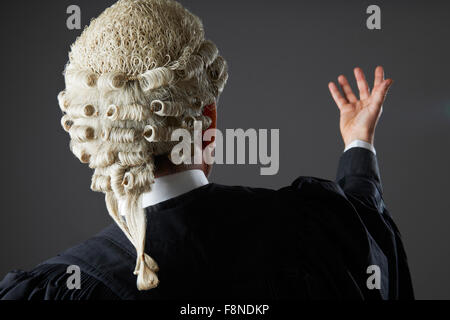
(314, 239)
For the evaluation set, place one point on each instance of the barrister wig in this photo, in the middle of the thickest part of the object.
(139, 71)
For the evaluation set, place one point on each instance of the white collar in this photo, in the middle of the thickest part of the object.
(171, 186)
(174, 185)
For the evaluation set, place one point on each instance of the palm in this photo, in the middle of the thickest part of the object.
(360, 113)
(359, 117)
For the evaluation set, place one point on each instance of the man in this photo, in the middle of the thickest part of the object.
(143, 70)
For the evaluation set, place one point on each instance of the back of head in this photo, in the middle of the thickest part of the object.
(138, 72)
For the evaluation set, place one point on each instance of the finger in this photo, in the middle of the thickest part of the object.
(381, 91)
(347, 89)
(379, 76)
(363, 87)
(336, 94)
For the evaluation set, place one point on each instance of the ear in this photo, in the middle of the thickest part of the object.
(211, 112)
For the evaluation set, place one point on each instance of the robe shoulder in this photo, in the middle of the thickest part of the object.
(50, 282)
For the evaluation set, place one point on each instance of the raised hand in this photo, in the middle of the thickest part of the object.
(359, 118)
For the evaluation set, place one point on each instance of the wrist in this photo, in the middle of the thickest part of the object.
(365, 137)
(361, 144)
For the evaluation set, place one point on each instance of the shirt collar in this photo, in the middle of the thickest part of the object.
(171, 186)
(174, 185)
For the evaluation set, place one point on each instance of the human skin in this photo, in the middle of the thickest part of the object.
(359, 117)
(165, 167)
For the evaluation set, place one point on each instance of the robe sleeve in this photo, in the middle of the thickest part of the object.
(359, 177)
(49, 282)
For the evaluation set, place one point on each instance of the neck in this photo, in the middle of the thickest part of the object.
(164, 167)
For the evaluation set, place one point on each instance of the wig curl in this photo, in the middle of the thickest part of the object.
(139, 71)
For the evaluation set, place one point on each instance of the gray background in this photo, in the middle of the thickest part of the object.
(282, 54)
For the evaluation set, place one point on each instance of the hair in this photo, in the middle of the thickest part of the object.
(139, 71)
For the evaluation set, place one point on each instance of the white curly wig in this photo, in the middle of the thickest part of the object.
(139, 71)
